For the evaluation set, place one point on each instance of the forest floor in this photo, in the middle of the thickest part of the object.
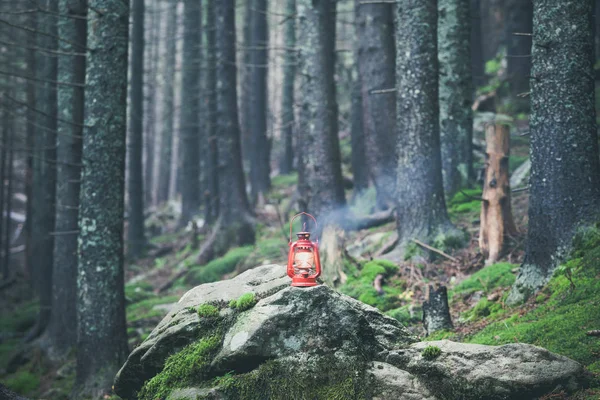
(558, 318)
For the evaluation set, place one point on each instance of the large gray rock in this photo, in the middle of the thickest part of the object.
(314, 339)
(180, 327)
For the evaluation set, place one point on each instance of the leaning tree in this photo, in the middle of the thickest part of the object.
(565, 172)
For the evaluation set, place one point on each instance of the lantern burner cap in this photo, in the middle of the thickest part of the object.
(303, 235)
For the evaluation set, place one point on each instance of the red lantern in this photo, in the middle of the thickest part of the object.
(304, 265)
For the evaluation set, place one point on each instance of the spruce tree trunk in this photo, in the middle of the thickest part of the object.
(211, 196)
(376, 65)
(150, 88)
(190, 112)
(30, 129)
(477, 62)
(492, 33)
(421, 209)
(102, 337)
(44, 168)
(455, 92)
(565, 172)
(321, 185)
(519, 19)
(360, 174)
(61, 334)
(260, 151)
(286, 164)
(135, 231)
(168, 109)
(234, 226)
(245, 84)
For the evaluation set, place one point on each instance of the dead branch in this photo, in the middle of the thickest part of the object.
(595, 332)
(377, 283)
(438, 251)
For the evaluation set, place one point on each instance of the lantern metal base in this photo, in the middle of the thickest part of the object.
(304, 282)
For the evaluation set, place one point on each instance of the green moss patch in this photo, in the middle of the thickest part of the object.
(20, 320)
(276, 380)
(144, 309)
(431, 352)
(465, 202)
(284, 181)
(22, 382)
(244, 302)
(360, 285)
(486, 279)
(215, 269)
(185, 368)
(207, 311)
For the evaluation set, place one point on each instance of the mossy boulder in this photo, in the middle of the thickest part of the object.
(316, 343)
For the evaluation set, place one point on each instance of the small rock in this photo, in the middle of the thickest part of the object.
(494, 296)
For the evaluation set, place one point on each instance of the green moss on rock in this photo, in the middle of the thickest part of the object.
(214, 270)
(431, 352)
(207, 311)
(244, 302)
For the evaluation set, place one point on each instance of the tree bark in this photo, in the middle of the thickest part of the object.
(360, 173)
(496, 214)
(211, 197)
(492, 18)
(234, 226)
(135, 227)
(321, 186)
(286, 165)
(190, 113)
(477, 62)
(376, 65)
(421, 208)
(260, 151)
(519, 19)
(150, 88)
(100, 282)
(436, 312)
(455, 91)
(168, 109)
(44, 169)
(61, 334)
(565, 172)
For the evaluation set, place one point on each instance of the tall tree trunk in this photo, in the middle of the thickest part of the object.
(3, 158)
(44, 169)
(9, 195)
(477, 62)
(376, 65)
(150, 87)
(455, 92)
(421, 209)
(286, 164)
(100, 281)
(168, 110)
(135, 231)
(519, 19)
(259, 156)
(492, 18)
(565, 172)
(30, 93)
(190, 113)
(360, 174)
(211, 197)
(61, 334)
(234, 227)
(322, 189)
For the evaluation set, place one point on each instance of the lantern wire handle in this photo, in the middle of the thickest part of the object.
(304, 225)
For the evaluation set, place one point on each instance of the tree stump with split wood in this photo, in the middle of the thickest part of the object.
(496, 216)
(436, 312)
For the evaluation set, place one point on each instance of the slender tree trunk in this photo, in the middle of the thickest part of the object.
(376, 65)
(151, 60)
(190, 113)
(245, 84)
(30, 92)
(9, 195)
(212, 194)
(234, 226)
(168, 110)
(3, 158)
(421, 209)
(492, 19)
(477, 62)
(135, 231)
(259, 156)
(100, 282)
(360, 172)
(61, 334)
(322, 187)
(565, 172)
(519, 19)
(44, 164)
(286, 164)
(455, 92)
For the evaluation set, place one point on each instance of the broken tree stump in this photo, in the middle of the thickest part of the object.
(436, 312)
(496, 215)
